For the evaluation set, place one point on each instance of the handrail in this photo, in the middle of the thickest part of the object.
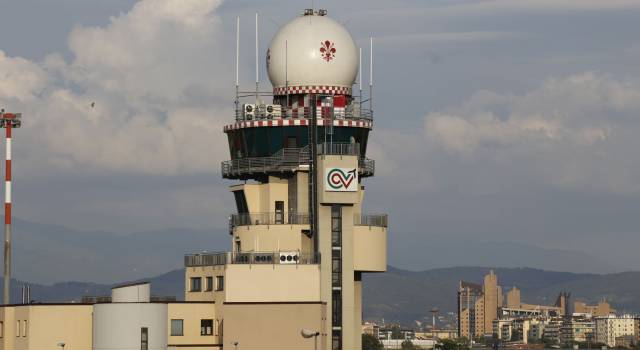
(378, 220)
(272, 218)
(289, 159)
(348, 113)
(242, 258)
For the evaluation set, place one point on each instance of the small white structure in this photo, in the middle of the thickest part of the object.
(130, 321)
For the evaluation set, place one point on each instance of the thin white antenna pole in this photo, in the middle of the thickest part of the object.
(257, 68)
(237, 65)
(286, 72)
(237, 50)
(371, 75)
(360, 78)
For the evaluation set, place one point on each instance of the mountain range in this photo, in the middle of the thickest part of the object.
(404, 296)
(48, 253)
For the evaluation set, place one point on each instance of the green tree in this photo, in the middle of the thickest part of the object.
(396, 332)
(370, 342)
(407, 345)
(452, 344)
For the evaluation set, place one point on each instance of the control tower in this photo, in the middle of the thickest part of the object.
(300, 240)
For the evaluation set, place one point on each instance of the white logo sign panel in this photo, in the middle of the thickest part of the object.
(341, 180)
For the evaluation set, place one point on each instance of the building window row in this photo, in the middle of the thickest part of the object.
(206, 327)
(195, 284)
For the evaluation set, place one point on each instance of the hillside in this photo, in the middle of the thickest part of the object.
(401, 295)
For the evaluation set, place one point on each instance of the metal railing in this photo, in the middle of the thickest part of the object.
(273, 218)
(325, 113)
(250, 258)
(289, 159)
(343, 149)
(378, 220)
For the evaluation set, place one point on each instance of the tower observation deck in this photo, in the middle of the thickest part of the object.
(300, 241)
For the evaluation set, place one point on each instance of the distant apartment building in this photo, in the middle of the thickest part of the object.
(469, 294)
(480, 305)
(603, 308)
(611, 328)
(577, 330)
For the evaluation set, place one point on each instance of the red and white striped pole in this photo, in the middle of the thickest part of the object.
(9, 121)
(7, 218)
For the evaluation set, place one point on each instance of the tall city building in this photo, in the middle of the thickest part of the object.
(478, 306)
(492, 300)
(300, 241)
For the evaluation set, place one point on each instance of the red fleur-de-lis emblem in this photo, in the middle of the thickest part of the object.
(327, 50)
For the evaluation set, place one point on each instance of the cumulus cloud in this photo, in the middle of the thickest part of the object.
(576, 132)
(137, 96)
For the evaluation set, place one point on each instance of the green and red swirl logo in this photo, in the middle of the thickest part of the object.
(341, 179)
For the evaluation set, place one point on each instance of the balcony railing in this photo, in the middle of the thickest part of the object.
(274, 218)
(289, 159)
(250, 258)
(378, 220)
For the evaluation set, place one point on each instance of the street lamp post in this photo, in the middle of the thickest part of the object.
(306, 333)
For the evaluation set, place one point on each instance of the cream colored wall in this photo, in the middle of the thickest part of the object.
(203, 272)
(192, 314)
(271, 238)
(357, 324)
(269, 283)
(47, 326)
(273, 326)
(7, 316)
(303, 191)
(261, 198)
(369, 248)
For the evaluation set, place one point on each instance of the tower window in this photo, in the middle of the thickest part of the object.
(195, 284)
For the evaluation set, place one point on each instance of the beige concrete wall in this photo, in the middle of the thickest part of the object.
(272, 326)
(192, 314)
(271, 238)
(7, 317)
(261, 198)
(45, 326)
(369, 248)
(203, 272)
(261, 283)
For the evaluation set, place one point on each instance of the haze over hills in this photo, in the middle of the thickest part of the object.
(49, 254)
(405, 296)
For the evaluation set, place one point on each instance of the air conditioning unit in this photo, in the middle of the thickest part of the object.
(273, 111)
(249, 111)
(263, 258)
(289, 257)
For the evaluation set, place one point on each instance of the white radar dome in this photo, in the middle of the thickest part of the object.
(321, 56)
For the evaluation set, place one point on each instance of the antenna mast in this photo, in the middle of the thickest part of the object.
(360, 79)
(371, 75)
(237, 66)
(257, 68)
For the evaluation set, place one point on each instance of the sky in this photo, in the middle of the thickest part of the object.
(495, 120)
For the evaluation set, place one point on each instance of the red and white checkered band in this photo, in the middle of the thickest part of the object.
(297, 122)
(312, 89)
